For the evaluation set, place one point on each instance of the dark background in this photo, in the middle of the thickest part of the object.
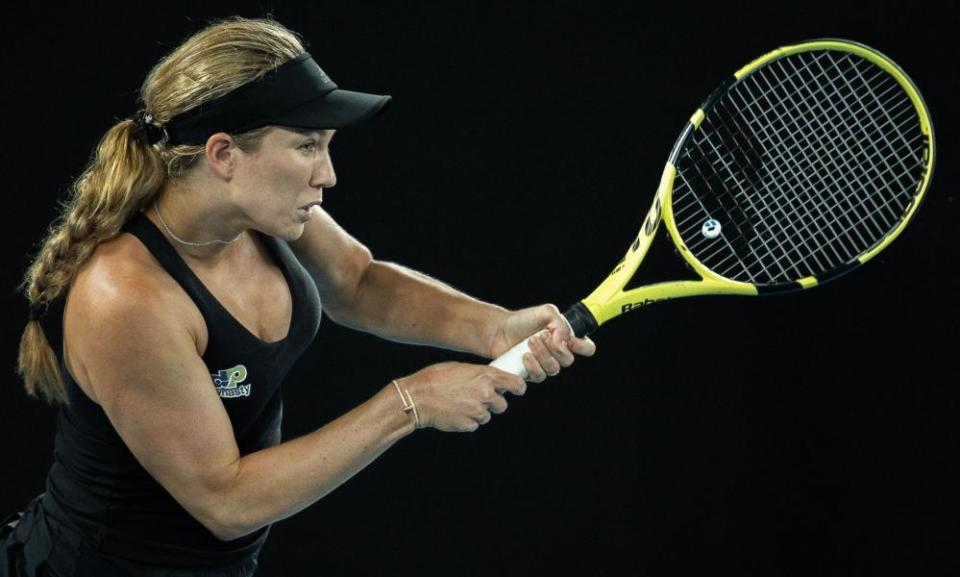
(808, 434)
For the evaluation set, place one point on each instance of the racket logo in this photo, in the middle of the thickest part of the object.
(638, 304)
(653, 219)
(710, 229)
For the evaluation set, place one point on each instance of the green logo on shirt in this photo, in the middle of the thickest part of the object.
(228, 382)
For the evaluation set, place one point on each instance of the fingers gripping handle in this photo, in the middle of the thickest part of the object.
(512, 360)
(580, 319)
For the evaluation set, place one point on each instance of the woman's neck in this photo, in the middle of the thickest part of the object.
(200, 229)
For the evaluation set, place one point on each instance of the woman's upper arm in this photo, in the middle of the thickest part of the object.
(141, 363)
(336, 260)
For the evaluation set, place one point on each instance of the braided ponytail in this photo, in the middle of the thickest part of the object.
(123, 176)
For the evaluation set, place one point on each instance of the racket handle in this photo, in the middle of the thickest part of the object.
(580, 319)
(512, 360)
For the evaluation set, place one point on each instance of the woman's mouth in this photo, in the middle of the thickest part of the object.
(306, 209)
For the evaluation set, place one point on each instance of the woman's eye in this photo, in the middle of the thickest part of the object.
(309, 145)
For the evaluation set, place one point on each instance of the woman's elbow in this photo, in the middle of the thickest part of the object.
(227, 527)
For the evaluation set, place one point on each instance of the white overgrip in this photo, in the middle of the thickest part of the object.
(512, 360)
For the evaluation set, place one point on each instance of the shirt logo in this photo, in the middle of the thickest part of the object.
(228, 382)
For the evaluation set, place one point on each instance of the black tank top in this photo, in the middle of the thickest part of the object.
(97, 483)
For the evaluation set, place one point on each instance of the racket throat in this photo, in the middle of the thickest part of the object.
(647, 295)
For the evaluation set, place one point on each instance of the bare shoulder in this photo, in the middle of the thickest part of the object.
(122, 301)
(325, 240)
(122, 277)
(334, 258)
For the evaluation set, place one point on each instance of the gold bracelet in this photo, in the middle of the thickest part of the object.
(408, 404)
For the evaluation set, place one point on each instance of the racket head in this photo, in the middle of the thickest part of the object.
(805, 164)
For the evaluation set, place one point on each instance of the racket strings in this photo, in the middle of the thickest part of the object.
(819, 156)
(870, 157)
(807, 163)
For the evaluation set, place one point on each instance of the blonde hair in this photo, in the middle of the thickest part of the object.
(125, 173)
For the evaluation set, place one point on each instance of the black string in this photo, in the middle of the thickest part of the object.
(37, 311)
(145, 126)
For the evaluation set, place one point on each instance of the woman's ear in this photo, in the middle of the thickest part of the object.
(221, 153)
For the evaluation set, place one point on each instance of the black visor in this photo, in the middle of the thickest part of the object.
(297, 94)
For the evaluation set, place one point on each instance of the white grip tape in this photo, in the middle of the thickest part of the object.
(512, 360)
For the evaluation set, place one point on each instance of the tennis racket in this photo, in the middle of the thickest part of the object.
(804, 165)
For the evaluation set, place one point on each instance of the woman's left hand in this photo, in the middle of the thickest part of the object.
(554, 346)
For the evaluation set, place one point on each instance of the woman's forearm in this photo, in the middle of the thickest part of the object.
(403, 305)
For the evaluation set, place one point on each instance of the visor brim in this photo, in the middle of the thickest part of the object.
(336, 109)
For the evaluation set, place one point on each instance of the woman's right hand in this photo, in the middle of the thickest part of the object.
(460, 397)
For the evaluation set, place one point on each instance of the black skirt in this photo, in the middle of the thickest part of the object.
(34, 544)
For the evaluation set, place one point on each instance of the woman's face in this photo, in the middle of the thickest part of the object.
(276, 185)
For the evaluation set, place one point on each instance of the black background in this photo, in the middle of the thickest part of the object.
(807, 434)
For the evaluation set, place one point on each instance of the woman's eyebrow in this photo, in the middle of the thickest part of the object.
(314, 132)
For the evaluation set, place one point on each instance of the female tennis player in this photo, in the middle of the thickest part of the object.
(183, 280)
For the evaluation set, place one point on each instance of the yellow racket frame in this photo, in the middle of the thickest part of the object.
(610, 300)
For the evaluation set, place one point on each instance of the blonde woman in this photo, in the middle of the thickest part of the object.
(183, 280)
